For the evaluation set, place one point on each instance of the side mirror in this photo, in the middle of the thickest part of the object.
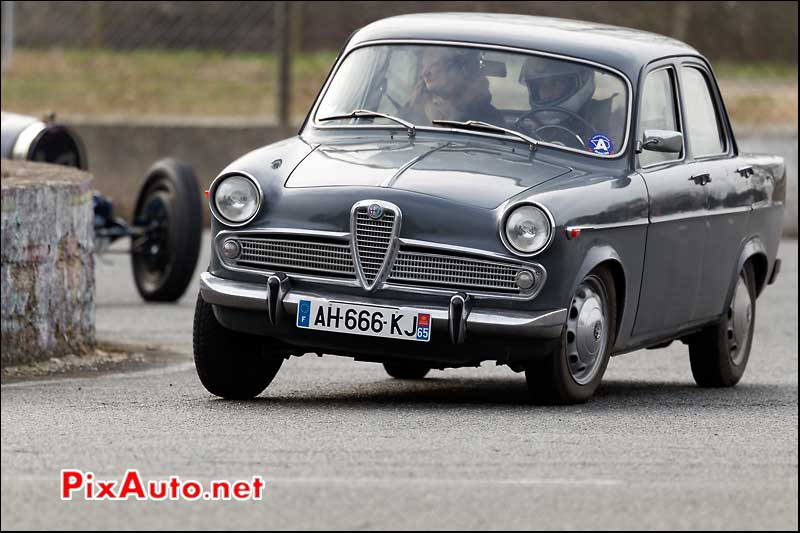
(663, 141)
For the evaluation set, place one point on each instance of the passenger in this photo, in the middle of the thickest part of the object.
(451, 87)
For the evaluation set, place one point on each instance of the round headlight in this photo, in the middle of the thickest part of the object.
(528, 229)
(236, 199)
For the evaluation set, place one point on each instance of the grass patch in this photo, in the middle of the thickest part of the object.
(192, 83)
(765, 70)
(156, 82)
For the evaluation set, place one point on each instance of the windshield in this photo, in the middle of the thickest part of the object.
(555, 101)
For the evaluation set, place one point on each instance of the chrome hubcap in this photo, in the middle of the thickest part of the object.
(740, 315)
(587, 334)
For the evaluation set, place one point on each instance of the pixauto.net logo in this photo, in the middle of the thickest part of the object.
(84, 485)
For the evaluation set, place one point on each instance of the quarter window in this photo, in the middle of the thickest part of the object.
(658, 112)
(702, 120)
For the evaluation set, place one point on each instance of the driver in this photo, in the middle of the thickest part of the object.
(451, 87)
(568, 86)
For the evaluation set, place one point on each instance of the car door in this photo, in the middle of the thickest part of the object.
(728, 193)
(676, 235)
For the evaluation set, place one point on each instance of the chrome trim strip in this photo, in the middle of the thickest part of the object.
(507, 208)
(240, 295)
(335, 70)
(465, 250)
(342, 235)
(677, 217)
(612, 225)
(213, 188)
(730, 210)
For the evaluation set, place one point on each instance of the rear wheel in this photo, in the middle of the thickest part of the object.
(574, 371)
(406, 370)
(719, 353)
(168, 211)
(230, 364)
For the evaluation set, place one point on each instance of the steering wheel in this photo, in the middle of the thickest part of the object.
(564, 135)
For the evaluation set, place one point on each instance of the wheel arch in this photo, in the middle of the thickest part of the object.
(755, 252)
(606, 256)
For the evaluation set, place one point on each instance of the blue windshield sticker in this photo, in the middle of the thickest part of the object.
(600, 144)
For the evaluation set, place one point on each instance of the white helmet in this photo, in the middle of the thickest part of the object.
(557, 83)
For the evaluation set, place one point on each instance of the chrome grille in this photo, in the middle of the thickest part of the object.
(372, 239)
(412, 265)
(292, 255)
(433, 269)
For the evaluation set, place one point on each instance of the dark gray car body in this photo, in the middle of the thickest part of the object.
(674, 247)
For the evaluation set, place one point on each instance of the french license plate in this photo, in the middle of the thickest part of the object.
(376, 321)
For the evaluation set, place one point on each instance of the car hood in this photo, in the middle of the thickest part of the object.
(479, 175)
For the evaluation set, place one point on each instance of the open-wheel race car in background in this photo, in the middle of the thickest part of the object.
(167, 221)
(537, 192)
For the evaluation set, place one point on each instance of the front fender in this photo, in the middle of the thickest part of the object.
(612, 212)
(604, 254)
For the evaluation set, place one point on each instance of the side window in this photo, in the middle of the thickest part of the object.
(658, 112)
(702, 120)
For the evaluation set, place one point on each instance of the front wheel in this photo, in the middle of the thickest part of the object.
(233, 365)
(169, 215)
(719, 353)
(572, 373)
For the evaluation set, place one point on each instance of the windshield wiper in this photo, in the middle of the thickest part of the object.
(366, 113)
(485, 126)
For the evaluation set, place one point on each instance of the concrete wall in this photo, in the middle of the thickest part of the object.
(120, 152)
(47, 262)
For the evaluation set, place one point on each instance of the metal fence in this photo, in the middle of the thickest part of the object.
(151, 58)
(265, 61)
(226, 26)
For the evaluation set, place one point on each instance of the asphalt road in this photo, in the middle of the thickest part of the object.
(341, 445)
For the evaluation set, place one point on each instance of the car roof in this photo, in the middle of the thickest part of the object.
(625, 49)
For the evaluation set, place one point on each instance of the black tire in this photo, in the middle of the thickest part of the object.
(406, 370)
(232, 365)
(717, 353)
(550, 380)
(169, 208)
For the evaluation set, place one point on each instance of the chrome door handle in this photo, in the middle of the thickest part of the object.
(745, 171)
(701, 179)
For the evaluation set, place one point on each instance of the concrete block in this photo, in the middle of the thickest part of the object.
(47, 262)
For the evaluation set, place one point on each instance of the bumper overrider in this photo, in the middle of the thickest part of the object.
(461, 331)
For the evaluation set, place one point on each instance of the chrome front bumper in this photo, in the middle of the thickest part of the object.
(279, 301)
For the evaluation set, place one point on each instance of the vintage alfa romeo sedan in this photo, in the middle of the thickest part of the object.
(537, 192)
